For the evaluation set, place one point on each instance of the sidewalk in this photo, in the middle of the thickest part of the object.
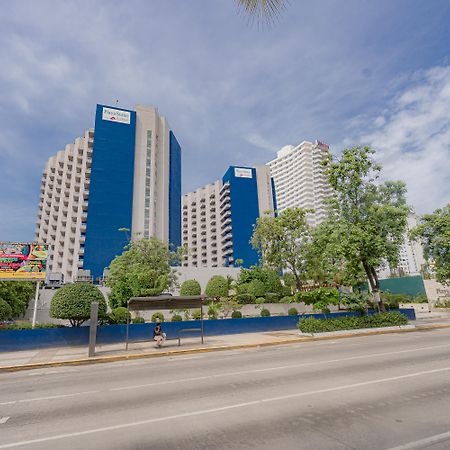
(57, 356)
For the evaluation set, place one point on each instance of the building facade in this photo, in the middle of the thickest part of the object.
(218, 218)
(300, 180)
(411, 259)
(63, 205)
(131, 178)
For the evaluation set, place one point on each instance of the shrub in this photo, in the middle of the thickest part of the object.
(176, 318)
(28, 326)
(138, 320)
(260, 301)
(265, 313)
(73, 302)
(442, 303)
(197, 314)
(236, 315)
(256, 288)
(421, 298)
(288, 299)
(5, 310)
(245, 299)
(272, 297)
(313, 325)
(118, 315)
(190, 287)
(213, 311)
(158, 317)
(292, 312)
(217, 287)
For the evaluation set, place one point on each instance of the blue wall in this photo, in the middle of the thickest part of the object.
(111, 191)
(15, 340)
(175, 193)
(244, 212)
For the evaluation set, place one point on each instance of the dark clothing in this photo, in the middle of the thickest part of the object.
(157, 331)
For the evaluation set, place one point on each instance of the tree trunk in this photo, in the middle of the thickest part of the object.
(374, 285)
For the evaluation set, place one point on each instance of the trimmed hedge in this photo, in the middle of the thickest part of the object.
(236, 315)
(158, 317)
(190, 287)
(390, 319)
(29, 326)
(118, 315)
(265, 313)
(292, 312)
(138, 320)
(176, 318)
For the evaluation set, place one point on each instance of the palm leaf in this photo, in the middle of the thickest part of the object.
(262, 10)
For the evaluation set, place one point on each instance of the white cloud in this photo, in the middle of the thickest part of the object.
(412, 139)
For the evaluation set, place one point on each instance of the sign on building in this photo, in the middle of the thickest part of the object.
(116, 115)
(240, 172)
(23, 261)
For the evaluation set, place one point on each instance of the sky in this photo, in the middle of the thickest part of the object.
(348, 73)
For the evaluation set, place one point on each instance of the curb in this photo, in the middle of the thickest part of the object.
(306, 338)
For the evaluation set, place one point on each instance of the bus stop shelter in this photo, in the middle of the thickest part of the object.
(165, 302)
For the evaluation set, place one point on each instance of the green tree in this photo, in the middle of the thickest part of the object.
(369, 218)
(73, 303)
(217, 287)
(433, 232)
(256, 288)
(283, 242)
(143, 269)
(5, 310)
(119, 315)
(327, 262)
(17, 294)
(190, 287)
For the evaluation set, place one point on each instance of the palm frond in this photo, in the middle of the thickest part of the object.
(263, 11)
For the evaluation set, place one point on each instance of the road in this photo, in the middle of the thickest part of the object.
(377, 392)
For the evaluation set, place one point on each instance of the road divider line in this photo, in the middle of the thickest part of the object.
(223, 408)
(228, 374)
(422, 443)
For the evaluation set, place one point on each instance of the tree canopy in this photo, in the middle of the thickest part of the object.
(368, 218)
(190, 287)
(283, 242)
(433, 232)
(17, 294)
(143, 269)
(73, 303)
(217, 287)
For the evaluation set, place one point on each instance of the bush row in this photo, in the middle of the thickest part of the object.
(389, 319)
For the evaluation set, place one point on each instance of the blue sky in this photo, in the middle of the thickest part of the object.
(344, 72)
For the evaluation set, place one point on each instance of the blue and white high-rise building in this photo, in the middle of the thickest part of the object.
(218, 218)
(122, 180)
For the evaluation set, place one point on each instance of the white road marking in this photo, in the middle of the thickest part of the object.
(422, 443)
(226, 408)
(51, 397)
(184, 358)
(227, 374)
(3, 420)
(270, 369)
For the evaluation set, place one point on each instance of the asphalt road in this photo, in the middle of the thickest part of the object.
(377, 392)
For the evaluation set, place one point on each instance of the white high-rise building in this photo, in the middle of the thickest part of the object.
(63, 205)
(300, 180)
(218, 218)
(411, 258)
(122, 181)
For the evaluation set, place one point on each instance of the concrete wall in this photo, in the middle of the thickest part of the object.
(435, 290)
(204, 274)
